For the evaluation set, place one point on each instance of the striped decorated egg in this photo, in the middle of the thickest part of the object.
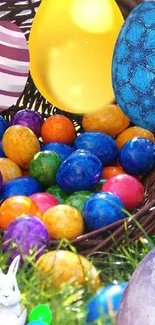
(14, 64)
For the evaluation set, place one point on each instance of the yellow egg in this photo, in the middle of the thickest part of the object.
(20, 145)
(110, 120)
(9, 170)
(65, 266)
(63, 221)
(71, 53)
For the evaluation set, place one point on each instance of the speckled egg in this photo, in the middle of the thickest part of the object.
(102, 209)
(133, 68)
(29, 118)
(20, 186)
(25, 236)
(100, 144)
(9, 170)
(80, 171)
(20, 144)
(14, 64)
(63, 150)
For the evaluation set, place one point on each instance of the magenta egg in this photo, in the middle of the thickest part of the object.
(127, 188)
(44, 201)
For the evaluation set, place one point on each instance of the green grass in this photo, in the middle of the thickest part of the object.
(68, 304)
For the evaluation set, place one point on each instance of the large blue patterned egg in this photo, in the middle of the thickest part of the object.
(133, 68)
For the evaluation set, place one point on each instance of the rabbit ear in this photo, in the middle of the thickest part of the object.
(14, 265)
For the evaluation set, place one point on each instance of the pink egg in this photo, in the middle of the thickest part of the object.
(127, 188)
(44, 201)
(14, 64)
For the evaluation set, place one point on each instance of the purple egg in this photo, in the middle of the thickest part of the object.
(24, 236)
(31, 119)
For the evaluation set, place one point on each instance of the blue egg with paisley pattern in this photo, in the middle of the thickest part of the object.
(137, 156)
(80, 171)
(133, 67)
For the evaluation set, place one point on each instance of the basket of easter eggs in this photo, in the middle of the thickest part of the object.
(73, 173)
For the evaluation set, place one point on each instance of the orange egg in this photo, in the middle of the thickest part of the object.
(63, 221)
(58, 128)
(133, 132)
(111, 171)
(16, 206)
(20, 145)
(111, 120)
(65, 266)
(9, 170)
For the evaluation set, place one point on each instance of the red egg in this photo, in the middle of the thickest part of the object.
(44, 201)
(127, 188)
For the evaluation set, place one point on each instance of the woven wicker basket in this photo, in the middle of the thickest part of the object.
(107, 238)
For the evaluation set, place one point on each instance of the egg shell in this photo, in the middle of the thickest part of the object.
(20, 186)
(63, 150)
(28, 233)
(102, 209)
(137, 305)
(44, 201)
(14, 64)
(127, 188)
(133, 68)
(100, 144)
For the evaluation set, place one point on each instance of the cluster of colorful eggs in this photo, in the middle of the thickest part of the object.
(60, 184)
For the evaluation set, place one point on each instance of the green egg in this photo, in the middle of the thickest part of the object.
(41, 313)
(56, 191)
(44, 167)
(78, 199)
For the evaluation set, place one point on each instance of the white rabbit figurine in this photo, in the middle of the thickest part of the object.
(11, 311)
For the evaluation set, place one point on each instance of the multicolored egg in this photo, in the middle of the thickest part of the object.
(14, 64)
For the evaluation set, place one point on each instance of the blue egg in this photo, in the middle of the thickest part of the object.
(137, 156)
(80, 171)
(103, 300)
(37, 322)
(100, 144)
(133, 68)
(2, 154)
(25, 185)
(102, 209)
(63, 150)
(3, 126)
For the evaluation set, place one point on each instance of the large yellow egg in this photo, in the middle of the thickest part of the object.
(71, 47)
(9, 170)
(65, 266)
(20, 145)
